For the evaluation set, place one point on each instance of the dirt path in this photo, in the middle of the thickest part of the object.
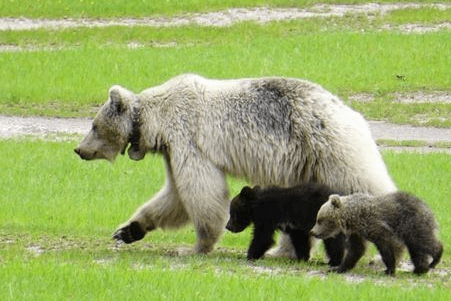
(39, 126)
(231, 16)
(13, 126)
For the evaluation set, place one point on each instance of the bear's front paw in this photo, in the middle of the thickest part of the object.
(129, 233)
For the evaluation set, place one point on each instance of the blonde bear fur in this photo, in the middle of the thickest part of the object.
(273, 131)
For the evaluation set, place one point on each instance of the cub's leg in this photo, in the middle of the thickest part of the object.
(436, 254)
(335, 247)
(355, 248)
(262, 240)
(301, 243)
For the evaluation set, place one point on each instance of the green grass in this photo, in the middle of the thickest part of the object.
(423, 15)
(136, 8)
(413, 143)
(345, 63)
(67, 72)
(422, 114)
(58, 213)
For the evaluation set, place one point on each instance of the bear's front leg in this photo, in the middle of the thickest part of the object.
(261, 241)
(165, 210)
(202, 189)
(335, 249)
(355, 247)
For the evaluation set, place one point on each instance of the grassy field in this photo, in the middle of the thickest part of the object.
(347, 55)
(58, 212)
(136, 8)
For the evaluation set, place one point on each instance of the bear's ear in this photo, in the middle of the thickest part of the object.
(335, 200)
(118, 99)
(247, 192)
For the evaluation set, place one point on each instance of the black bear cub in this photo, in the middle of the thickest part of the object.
(291, 210)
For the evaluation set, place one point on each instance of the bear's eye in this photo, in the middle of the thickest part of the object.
(319, 221)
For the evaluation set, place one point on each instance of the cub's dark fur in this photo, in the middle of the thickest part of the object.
(292, 210)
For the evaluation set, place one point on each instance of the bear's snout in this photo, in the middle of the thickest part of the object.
(83, 155)
(314, 233)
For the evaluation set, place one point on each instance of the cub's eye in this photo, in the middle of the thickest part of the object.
(319, 221)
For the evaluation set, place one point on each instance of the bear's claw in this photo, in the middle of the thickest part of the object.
(130, 233)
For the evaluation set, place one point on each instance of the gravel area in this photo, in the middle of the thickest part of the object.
(42, 127)
(14, 126)
(234, 15)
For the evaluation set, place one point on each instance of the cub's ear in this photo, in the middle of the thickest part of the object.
(118, 97)
(247, 192)
(335, 200)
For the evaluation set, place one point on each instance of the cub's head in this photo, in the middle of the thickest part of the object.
(328, 219)
(111, 129)
(240, 210)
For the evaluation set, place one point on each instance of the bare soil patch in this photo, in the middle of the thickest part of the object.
(231, 16)
(57, 129)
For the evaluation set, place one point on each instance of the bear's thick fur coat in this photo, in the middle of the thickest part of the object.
(274, 131)
(291, 210)
(390, 221)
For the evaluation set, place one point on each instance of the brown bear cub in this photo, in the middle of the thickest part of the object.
(291, 210)
(391, 222)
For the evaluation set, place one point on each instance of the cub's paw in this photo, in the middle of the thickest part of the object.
(129, 233)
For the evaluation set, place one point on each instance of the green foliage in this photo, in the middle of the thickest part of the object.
(424, 15)
(343, 62)
(58, 213)
(140, 8)
(423, 114)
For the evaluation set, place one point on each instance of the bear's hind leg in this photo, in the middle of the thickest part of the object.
(284, 248)
(419, 254)
(420, 262)
(301, 243)
(335, 247)
(437, 254)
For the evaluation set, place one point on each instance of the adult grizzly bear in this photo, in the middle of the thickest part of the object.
(274, 131)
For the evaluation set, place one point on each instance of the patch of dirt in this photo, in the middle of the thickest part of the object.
(229, 17)
(49, 128)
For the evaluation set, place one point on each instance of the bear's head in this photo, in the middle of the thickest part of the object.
(112, 128)
(328, 220)
(241, 210)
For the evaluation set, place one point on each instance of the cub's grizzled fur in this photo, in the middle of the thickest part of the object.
(273, 131)
(391, 222)
(292, 210)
